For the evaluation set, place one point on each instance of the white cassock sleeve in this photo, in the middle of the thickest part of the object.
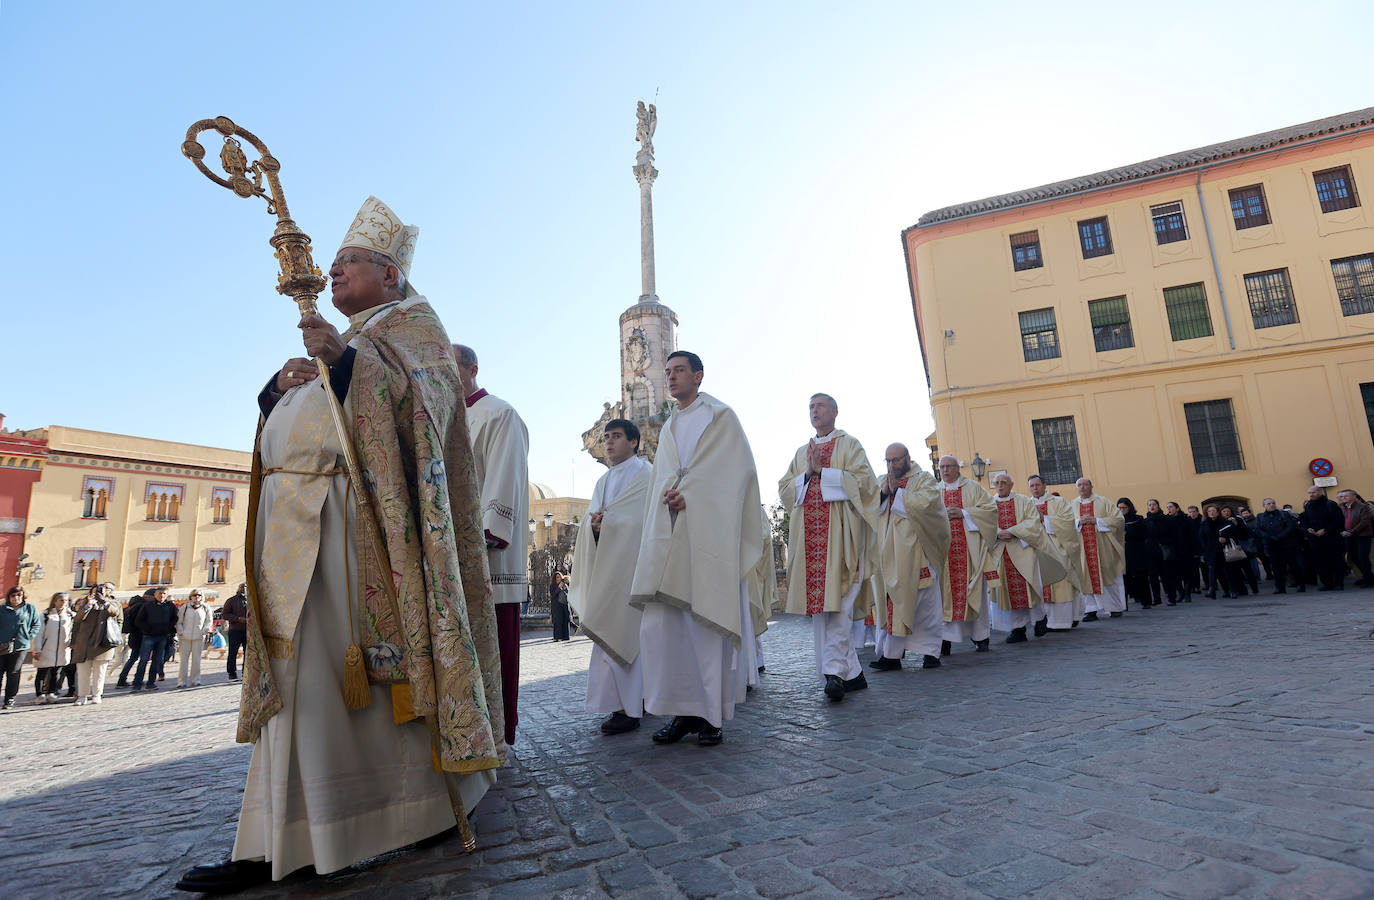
(800, 483)
(1049, 527)
(832, 485)
(968, 521)
(505, 476)
(899, 505)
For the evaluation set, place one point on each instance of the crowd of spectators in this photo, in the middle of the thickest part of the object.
(1174, 554)
(74, 647)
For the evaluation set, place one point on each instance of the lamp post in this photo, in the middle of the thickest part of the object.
(979, 466)
(935, 461)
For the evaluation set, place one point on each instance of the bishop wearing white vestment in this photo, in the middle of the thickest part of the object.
(1063, 602)
(371, 682)
(1021, 563)
(603, 567)
(913, 539)
(501, 452)
(972, 521)
(831, 497)
(702, 539)
(1102, 554)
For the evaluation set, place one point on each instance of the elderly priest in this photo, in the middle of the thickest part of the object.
(349, 763)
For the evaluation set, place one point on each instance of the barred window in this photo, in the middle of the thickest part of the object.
(1354, 283)
(1271, 298)
(1111, 324)
(1056, 449)
(1025, 251)
(1248, 208)
(1095, 237)
(1169, 223)
(1039, 335)
(1187, 309)
(1212, 432)
(1335, 189)
(1367, 394)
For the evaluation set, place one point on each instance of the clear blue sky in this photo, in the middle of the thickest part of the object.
(795, 142)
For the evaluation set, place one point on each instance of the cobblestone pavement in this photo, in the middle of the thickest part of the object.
(1217, 748)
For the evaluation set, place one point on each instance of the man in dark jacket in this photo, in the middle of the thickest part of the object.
(1278, 532)
(1322, 520)
(1357, 526)
(135, 637)
(235, 615)
(157, 620)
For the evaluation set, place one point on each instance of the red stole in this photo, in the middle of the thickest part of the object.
(1090, 561)
(958, 556)
(816, 515)
(1018, 592)
(1044, 507)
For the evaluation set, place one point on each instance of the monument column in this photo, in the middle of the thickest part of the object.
(645, 173)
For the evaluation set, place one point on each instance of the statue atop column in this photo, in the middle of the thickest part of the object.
(647, 329)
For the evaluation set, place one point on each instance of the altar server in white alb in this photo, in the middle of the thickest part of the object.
(1063, 602)
(1102, 554)
(501, 452)
(972, 522)
(831, 496)
(702, 540)
(1021, 564)
(913, 539)
(603, 567)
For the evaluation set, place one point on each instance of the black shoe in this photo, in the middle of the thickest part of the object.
(946, 648)
(762, 669)
(619, 723)
(150, 686)
(982, 646)
(1117, 615)
(857, 683)
(1211, 595)
(930, 662)
(1090, 617)
(676, 730)
(1017, 636)
(1074, 625)
(709, 735)
(834, 687)
(1280, 591)
(121, 684)
(227, 877)
(1173, 603)
(1302, 589)
(1042, 627)
(882, 664)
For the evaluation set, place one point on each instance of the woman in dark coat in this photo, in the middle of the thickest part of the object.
(1183, 534)
(1160, 536)
(558, 607)
(1137, 554)
(1242, 573)
(1213, 547)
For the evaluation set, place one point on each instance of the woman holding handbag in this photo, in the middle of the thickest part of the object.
(1237, 534)
(1213, 545)
(96, 637)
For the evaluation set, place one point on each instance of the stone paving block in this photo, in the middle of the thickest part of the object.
(1204, 881)
(546, 886)
(1112, 878)
(1016, 879)
(581, 856)
(859, 882)
(701, 878)
(975, 858)
(647, 834)
(774, 878)
(764, 850)
(1326, 883)
(1166, 856)
(626, 874)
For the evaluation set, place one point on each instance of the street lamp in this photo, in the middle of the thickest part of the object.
(532, 526)
(979, 466)
(935, 460)
(548, 520)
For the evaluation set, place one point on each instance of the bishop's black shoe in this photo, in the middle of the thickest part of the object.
(228, 877)
(1042, 626)
(834, 687)
(676, 730)
(1017, 636)
(930, 662)
(982, 646)
(882, 664)
(946, 648)
(1090, 617)
(857, 683)
(1116, 615)
(709, 735)
(619, 723)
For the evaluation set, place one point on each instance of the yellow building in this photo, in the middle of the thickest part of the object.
(1195, 326)
(137, 512)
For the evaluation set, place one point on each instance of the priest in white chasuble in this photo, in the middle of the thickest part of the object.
(831, 498)
(1063, 602)
(371, 688)
(1102, 554)
(1021, 563)
(913, 539)
(603, 566)
(501, 452)
(703, 537)
(972, 523)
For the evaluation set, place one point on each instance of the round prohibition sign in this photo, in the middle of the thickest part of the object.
(1320, 468)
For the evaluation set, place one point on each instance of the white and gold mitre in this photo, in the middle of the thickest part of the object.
(378, 228)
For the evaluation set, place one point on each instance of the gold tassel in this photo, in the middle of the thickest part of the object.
(357, 693)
